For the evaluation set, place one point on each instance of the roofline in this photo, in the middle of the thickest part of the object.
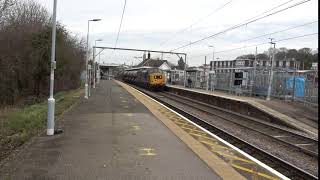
(141, 67)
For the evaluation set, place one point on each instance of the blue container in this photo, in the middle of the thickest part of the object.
(299, 85)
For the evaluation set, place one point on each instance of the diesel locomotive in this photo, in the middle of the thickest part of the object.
(146, 77)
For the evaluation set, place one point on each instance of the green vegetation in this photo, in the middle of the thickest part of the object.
(19, 125)
(306, 56)
(25, 52)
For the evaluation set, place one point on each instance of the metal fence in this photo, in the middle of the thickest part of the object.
(288, 86)
(250, 84)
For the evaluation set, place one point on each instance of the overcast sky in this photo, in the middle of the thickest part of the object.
(169, 24)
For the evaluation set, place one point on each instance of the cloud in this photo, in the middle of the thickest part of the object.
(148, 23)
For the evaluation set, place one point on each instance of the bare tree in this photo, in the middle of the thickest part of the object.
(5, 6)
(25, 41)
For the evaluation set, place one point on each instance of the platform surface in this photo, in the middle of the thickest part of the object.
(109, 136)
(293, 113)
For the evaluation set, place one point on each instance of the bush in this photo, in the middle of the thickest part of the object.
(25, 51)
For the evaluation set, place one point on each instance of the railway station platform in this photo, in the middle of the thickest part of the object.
(295, 115)
(120, 134)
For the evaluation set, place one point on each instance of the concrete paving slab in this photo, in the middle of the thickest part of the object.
(109, 136)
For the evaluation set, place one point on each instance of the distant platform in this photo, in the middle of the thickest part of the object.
(293, 114)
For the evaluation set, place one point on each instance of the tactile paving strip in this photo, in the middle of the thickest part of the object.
(239, 162)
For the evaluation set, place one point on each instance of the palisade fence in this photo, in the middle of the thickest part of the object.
(306, 84)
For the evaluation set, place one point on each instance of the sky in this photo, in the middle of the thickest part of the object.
(169, 24)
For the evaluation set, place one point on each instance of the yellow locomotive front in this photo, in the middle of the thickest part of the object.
(157, 80)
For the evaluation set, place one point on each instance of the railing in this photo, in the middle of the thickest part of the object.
(305, 91)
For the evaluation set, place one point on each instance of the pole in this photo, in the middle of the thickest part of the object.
(51, 100)
(212, 54)
(206, 73)
(230, 82)
(254, 71)
(271, 71)
(214, 72)
(98, 79)
(185, 72)
(94, 67)
(294, 84)
(86, 94)
(89, 77)
(213, 76)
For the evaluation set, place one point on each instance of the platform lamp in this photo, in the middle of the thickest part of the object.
(271, 69)
(51, 100)
(212, 86)
(212, 52)
(87, 59)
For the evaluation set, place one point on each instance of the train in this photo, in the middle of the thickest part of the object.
(147, 77)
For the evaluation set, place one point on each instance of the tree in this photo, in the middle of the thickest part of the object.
(315, 57)
(280, 55)
(292, 53)
(283, 49)
(25, 51)
(247, 56)
(181, 64)
(262, 56)
(5, 6)
(305, 57)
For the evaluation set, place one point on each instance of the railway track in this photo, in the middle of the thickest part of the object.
(288, 137)
(286, 168)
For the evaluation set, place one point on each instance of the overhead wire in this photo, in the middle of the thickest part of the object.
(275, 32)
(255, 45)
(196, 22)
(280, 40)
(242, 24)
(271, 9)
(294, 27)
(124, 8)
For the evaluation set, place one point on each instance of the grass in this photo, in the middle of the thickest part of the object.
(19, 125)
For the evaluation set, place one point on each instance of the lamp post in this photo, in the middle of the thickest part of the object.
(271, 70)
(212, 52)
(252, 81)
(94, 64)
(98, 79)
(87, 59)
(206, 73)
(51, 100)
(212, 80)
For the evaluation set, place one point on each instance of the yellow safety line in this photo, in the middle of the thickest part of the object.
(218, 165)
(181, 123)
(233, 157)
(254, 172)
(194, 130)
(198, 135)
(213, 145)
